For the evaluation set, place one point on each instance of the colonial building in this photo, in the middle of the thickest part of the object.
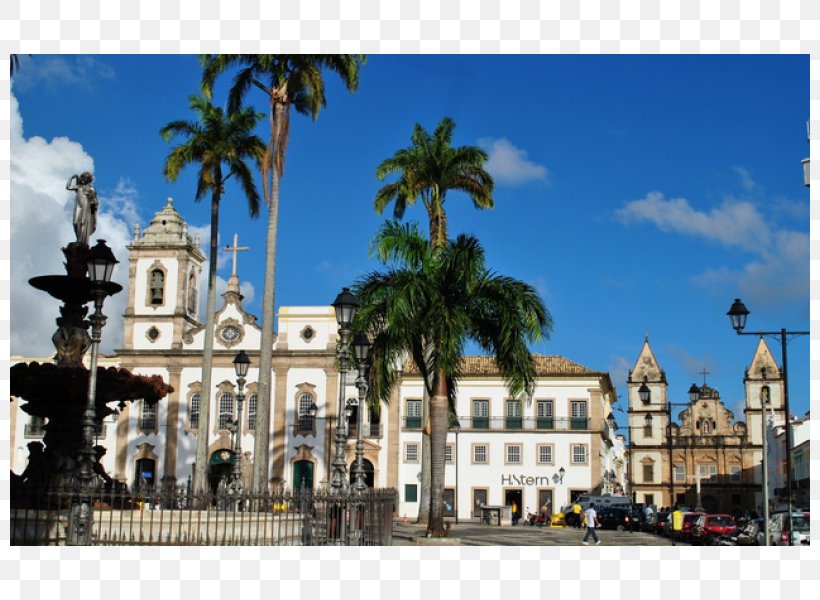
(702, 457)
(526, 451)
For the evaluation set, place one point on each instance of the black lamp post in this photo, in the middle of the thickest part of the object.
(361, 349)
(241, 363)
(345, 305)
(100, 264)
(737, 315)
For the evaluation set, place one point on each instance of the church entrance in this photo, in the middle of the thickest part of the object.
(219, 469)
(368, 472)
(302, 475)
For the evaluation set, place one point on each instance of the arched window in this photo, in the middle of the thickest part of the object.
(193, 420)
(157, 286)
(253, 400)
(225, 410)
(305, 422)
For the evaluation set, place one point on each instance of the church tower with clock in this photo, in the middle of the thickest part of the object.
(164, 274)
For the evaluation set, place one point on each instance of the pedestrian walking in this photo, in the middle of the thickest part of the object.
(677, 524)
(592, 523)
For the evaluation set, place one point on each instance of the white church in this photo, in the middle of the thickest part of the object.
(505, 451)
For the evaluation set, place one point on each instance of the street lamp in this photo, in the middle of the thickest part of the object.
(456, 429)
(361, 349)
(764, 401)
(345, 305)
(241, 363)
(737, 315)
(100, 262)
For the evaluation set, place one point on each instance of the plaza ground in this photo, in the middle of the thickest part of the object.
(475, 534)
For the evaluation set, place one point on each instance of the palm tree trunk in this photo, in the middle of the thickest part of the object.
(203, 429)
(438, 441)
(424, 494)
(263, 410)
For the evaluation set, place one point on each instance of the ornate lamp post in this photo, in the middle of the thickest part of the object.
(361, 349)
(100, 263)
(241, 363)
(737, 315)
(345, 306)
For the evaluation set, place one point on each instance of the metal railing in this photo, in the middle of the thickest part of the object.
(511, 424)
(303, 518)
(33, 431)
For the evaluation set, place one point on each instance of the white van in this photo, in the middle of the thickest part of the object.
(779, 528)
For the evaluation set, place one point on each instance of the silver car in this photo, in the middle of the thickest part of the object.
(779, 528)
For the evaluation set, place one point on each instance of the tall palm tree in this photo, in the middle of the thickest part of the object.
(447, 297)
(222, 144)
(288, 81)
(428, 169)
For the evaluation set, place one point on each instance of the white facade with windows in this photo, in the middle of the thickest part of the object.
(507, 449)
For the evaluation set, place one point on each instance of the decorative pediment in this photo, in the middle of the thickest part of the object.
(303, 452)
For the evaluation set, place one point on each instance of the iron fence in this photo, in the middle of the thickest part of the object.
(302, 518)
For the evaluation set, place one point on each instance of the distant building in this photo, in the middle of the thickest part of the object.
(704, 458)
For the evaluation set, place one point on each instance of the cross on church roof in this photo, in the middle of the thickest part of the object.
(235, 249)
(704, 372)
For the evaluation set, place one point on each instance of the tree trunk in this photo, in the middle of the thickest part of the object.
(263, 409)
(424, 493)
(438, 442)
(203, 429)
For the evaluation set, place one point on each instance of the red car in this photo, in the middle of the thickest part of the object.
(708, 527)
(689, 520)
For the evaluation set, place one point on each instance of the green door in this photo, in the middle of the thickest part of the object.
(302, 475)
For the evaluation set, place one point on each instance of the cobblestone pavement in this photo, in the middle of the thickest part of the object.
(474, 534)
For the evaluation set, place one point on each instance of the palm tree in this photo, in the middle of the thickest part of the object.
(447, 297)
(428, 169)
(287, 80)
(221, 144)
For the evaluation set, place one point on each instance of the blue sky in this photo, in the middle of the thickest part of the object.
(638, 194)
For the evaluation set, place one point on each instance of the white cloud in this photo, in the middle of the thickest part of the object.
(83, 72)
(778, 271)
(618, 369)
(746, 181)
(735, 224)
(509, 164)
(41, 224)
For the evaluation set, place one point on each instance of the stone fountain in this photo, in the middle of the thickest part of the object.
(72, 398)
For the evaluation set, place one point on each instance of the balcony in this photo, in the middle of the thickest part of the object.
(511, 424)
(305, 425)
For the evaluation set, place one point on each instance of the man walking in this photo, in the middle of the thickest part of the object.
(592, 523)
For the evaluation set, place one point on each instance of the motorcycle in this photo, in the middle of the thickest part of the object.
(535, 519)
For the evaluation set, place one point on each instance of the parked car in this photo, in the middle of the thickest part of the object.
(620, 518)
(779, 528)
(661, 519)
(708, 527)
(689, 520)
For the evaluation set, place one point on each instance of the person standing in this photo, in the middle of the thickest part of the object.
(576, 510)
(592, 523)
(677, 524)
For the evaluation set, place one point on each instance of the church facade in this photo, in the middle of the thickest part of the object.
(695, 453)
(547, 448)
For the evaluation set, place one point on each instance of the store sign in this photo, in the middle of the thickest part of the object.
(524, 480)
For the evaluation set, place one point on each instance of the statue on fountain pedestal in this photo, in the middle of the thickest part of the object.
(85, 205)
